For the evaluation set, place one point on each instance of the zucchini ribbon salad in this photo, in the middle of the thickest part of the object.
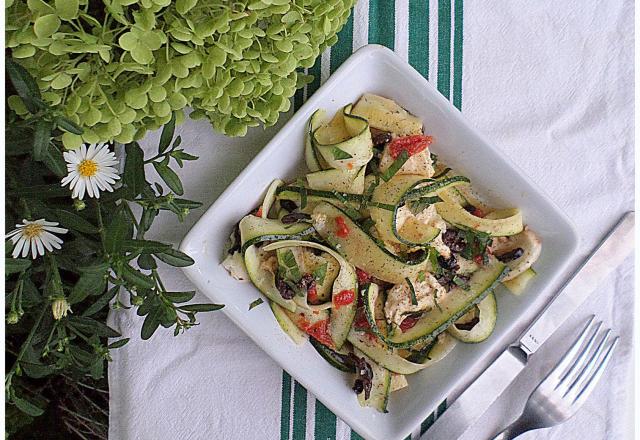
(381, 254)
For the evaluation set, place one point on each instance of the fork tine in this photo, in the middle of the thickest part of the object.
(563, 368)
(589, 384)
(586, 370)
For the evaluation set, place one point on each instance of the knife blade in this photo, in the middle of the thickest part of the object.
(491, 384)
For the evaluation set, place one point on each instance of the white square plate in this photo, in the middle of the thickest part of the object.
(378, 70)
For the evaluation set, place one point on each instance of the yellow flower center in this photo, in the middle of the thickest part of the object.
(87, 168)
(32, 230)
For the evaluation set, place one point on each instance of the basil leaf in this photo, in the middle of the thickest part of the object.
(339, 154)
(412, 291)
(256, 303)
(288, 266)
(395, 166)
(319, 273)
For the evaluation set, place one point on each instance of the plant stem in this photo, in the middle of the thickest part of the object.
(103, 237)
(27, 342)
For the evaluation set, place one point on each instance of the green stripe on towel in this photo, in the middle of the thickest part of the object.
(344, 47)
(457, 54)
(382, 22)
(444, 47)
(285, 408)
(419, 36)
(299, 412)
(325, 423)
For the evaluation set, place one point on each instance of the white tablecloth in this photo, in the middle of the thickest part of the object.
(549, 83)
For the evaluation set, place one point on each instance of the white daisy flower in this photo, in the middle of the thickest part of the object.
(91, 169)
(35, 236)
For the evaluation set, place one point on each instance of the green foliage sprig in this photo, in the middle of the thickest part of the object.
(118, 68)
(56, 305)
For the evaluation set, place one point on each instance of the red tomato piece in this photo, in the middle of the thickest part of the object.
(411, 144)
(478, 212)
(363, 277)
(320, 331)
(259, 212)
(342, 230)
(312, 294)
(478, 260)
(344, 298)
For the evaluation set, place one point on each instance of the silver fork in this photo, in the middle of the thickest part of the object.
(566, 388)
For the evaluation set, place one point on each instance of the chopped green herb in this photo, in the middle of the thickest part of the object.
(433, 259)
(339, 154)
(287, 265)
(319, 273)
(419, 205)
(367, 224)
(255, 303)
(353, 213)
(395, 166)
(421, 276)
(367, 194)
(412, 291)
(476, 243)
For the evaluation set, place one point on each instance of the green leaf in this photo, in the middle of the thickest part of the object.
(133, 176)
(151, 323)
(412, 290)
(136, 277)
(116, 232)
(148, 215)
(90, 326)
(147, 262)
(27, 407)
(167, 134)
(339, 154)
(68, 125)
(23, 82)
(90, 283)
(176, 258)
(395, 166)
(179, 297)
(46, 25)
(75, 222)
(101, 302)
(170, 177)
(119, 343)
(41, 138)
(256, 303)
(144, 246)
(319, 273)
(67, 9)
(201, 307)
(37, 370)
(54, 160)
(15, 265)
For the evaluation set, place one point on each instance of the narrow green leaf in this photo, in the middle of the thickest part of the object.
(136, 277)
(188, 204)
(27, 407)
(101, 302)
(74, 221)
(179, 297)
(255, 303)
(339, 154)
(88, 284)
(144, 246)
(147, 262)
(133, 176)
(119, 343)
(174, 257)
(68, 125)
(148, 215)
(167, 134)
(54, 160)
(37, 370)
(170, 177)
(151, 323)
(89, 326)
(395, 166)
(15, 265)
(41, 138)
(201, 307)
(24, 83)
(412, 290)
(116, 232)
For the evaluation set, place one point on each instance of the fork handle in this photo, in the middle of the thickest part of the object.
(518, 427)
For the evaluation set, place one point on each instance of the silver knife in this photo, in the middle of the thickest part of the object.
(490, 385)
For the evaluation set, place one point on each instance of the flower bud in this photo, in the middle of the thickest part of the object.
(12, 317)
(60, 307)
(79, 205)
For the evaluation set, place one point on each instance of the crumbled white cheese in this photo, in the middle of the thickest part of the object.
(319, 221)
(429, 216)
(235, 266)
(419, 163)
(398, 303)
